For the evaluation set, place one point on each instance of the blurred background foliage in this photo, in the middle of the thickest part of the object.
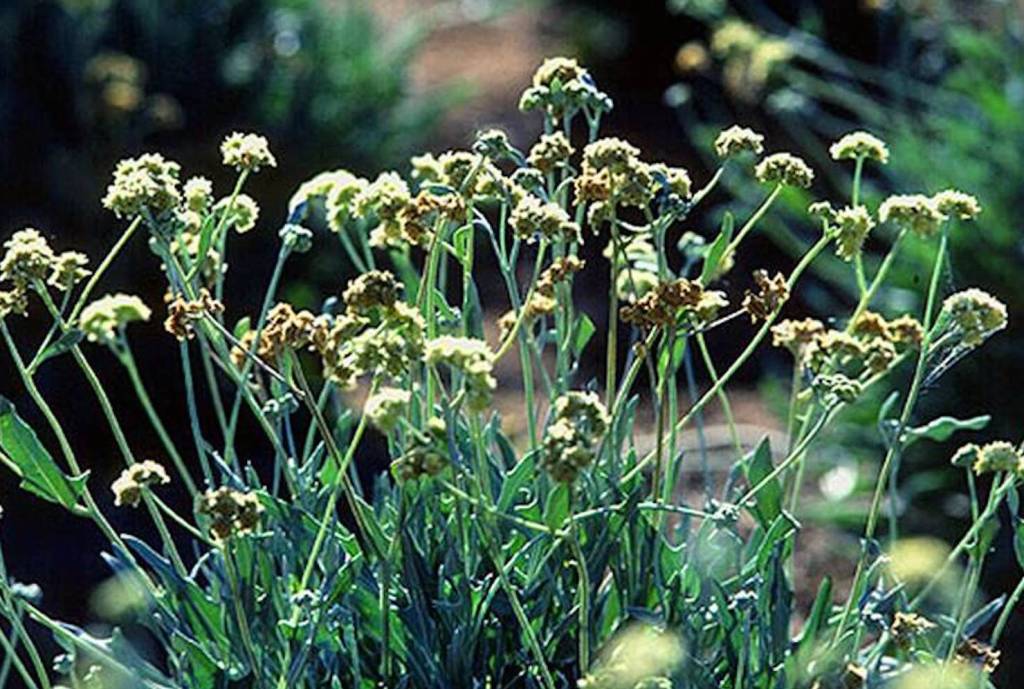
(364, 84)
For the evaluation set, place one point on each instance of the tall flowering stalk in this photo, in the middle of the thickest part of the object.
(566, 554)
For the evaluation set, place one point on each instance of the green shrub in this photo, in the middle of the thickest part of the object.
(571, 554)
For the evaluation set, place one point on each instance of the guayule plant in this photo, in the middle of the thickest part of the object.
(569, 555)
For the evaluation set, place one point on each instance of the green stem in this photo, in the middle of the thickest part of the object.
(107, 260)
(895, 447)
(124, 355)
(752, 346)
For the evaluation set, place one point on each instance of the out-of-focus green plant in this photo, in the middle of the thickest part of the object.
(941, 81)
(564, 557)
(82, 81)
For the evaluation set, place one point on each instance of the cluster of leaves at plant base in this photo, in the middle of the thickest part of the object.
(563, 557)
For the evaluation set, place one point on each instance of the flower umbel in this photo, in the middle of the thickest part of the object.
(248, 152)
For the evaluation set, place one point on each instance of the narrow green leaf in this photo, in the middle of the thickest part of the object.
(582, 333)
(758, 465)
(243, 326)
(27, 457)
(60, 346)
(717, 250)
(460, 241)
(556, 509)
(942, 428)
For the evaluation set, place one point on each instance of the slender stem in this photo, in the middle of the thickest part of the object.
(584, 592)
(751, 223)
(1006, 612)
(102, 269)
(124, 355)
(895, 447)
(611, 353)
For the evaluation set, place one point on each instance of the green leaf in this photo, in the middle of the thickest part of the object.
(758, 465)
(556, 509)
(460, 241)
(1018, 541)
(27, 457)
(819, 614)
(717, 250)
(942, 428)
(582, 333)
(243, 326)
(61, 345)
(521, 476)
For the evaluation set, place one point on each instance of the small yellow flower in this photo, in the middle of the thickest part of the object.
(860, 145)
(385, 408)
(149, 182)
(976, 314)
(915, 212)
(784, 168)
(247, 152)
(28, 258)
(244, 212)
(100, 319)
(957, 204)
(852, 228)
(737, 140)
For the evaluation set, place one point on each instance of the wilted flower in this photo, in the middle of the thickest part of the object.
(663, 304)
(182, 313)
(957, 204)
(473, 358)
(976, 314)
(28, 258)
(796, 335)
(148, 182)
(247, 152)
(860, 145)
(230, 512)
(770, 294)
(737, 140)
(906, 626)
(852, 227)
(560, 270)
(101, 318)
(385, 407)
(129, 485)
(912, 211)
(784, 168)
(579, 420)
(372, 290)
(974, 653)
